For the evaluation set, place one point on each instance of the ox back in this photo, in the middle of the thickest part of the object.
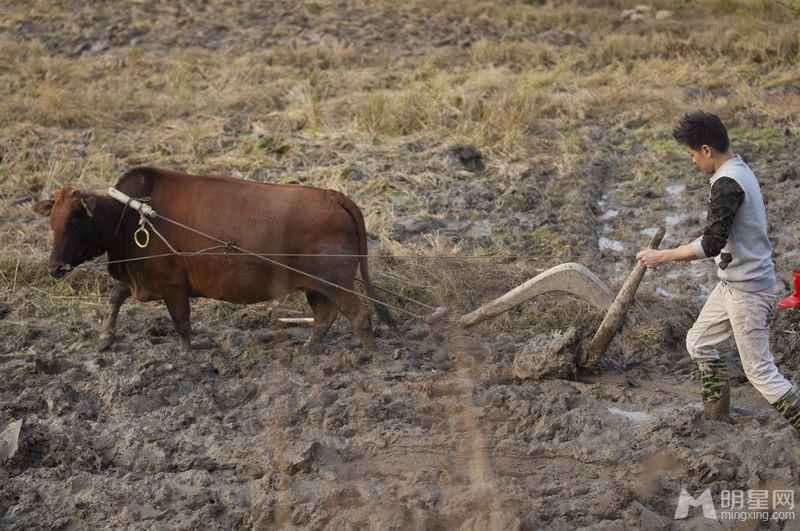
(219, 238)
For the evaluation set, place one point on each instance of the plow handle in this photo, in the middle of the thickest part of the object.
(622, 303)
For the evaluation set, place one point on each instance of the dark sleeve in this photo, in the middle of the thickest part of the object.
(726, 196)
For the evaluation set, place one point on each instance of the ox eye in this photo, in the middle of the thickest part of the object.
(73, 222)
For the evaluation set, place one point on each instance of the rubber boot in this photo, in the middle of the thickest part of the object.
(794, 300)
(715, 387)
(789, 406)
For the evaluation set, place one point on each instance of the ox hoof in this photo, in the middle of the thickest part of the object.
(311, 349)
(369, 347)
(357, 358)
(105, 342)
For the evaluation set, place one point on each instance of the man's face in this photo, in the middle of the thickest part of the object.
(703, 158)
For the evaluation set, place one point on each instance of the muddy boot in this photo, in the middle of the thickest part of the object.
(716, 389)
(789, 406)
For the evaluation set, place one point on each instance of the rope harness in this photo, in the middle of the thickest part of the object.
(146, 211)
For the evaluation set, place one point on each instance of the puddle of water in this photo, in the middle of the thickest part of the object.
(698, 269)
(664, 293)
(673, 219)
(650, 231)
(606, 212)
(635, 416)
(613, 245)
(609, 214)
(675, 189)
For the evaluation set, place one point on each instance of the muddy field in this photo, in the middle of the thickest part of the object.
(448, 429)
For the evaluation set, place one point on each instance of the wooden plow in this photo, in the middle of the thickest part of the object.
(579, 281)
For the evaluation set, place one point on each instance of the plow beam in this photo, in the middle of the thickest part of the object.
(570, 277)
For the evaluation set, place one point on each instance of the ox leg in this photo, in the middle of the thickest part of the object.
(180, 312)
(325, 313)
(119, 294)
(350, 305)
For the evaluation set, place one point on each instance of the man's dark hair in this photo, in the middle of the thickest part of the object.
(701, 128)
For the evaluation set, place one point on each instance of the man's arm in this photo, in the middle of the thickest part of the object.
(656, 257)
(723, 203)
(726, 196)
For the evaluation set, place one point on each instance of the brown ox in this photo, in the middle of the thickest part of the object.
(220, 238)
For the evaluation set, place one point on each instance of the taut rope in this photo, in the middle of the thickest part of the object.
(147, 212)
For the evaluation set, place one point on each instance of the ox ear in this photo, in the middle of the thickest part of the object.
(87, 202)
(43, 207)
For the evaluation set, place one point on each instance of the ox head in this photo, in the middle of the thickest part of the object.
(75, 234)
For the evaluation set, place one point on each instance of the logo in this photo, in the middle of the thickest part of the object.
(686, 500)
(740, 505)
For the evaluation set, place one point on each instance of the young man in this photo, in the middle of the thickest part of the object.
(736, 235)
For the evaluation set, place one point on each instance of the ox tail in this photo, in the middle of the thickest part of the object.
(361, 231)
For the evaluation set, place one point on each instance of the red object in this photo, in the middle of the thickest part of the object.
(794, 300)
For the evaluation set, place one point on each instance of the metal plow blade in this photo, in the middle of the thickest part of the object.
(570, 277)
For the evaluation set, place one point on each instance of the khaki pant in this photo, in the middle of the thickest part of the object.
(730, 311)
